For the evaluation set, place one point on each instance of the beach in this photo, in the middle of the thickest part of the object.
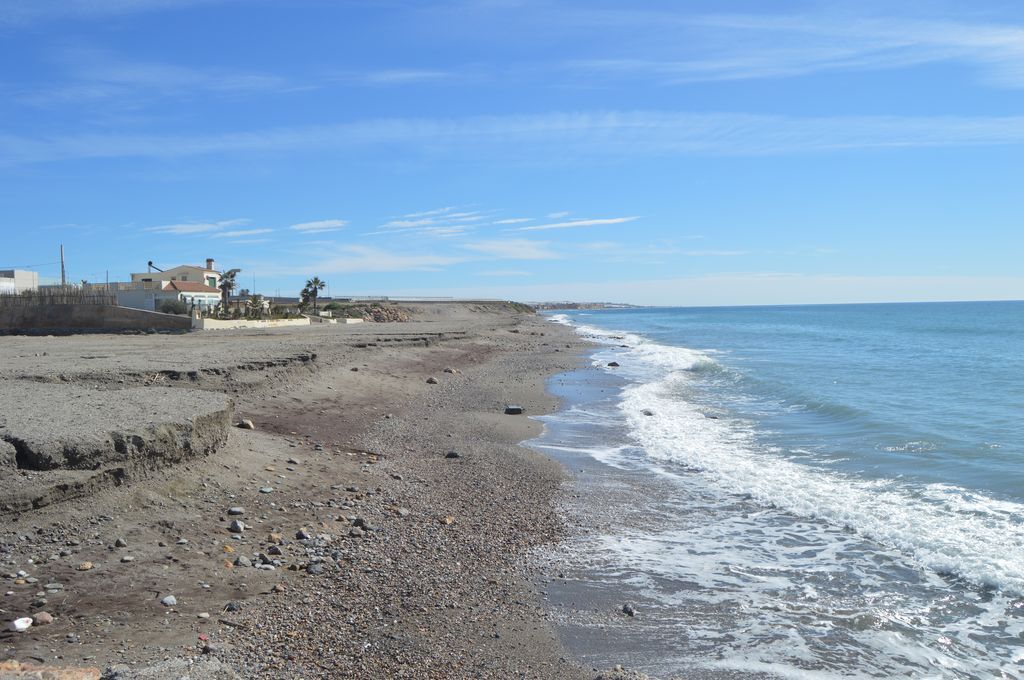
(376, 522)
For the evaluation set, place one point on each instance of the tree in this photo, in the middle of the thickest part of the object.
(227, 284)
(312, 290)
(254, 306)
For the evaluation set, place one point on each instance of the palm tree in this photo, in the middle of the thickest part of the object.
(227, 284)
(254, 306)
(313, 288)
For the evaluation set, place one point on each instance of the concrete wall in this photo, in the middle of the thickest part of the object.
(225, 324)
(71, 318)
(21, 278)
(137, 299)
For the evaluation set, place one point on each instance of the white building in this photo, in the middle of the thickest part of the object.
(194, 286)
(18, 280)
(192, 274)
(151, 295)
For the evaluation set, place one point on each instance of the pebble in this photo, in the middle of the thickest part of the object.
(247, 424)
(237, 526)
(20, 625)
(120, 543)
(84, 566)
(431, 380)
(243, 561)
(42, 618)
(315, 569)
(127, 558)
(169, 601)
(453, 454)
(302, 534)
(266, 489)
(204, 615)
(628, 609)
(236, 510)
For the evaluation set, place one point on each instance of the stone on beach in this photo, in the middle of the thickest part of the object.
(513, 410)
(247, 424)
(169, 601)
(42, 618)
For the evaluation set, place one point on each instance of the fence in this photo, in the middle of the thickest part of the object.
(60, 295)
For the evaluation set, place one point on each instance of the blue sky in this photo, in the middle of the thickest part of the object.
(646, 151)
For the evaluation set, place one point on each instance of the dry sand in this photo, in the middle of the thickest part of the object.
(390, 558)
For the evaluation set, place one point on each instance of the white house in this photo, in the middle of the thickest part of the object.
(192, 274)
(195, 287)
(18, 280)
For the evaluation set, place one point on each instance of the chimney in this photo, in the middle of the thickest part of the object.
(209, 263)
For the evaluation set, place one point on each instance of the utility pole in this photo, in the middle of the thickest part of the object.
(63, 274)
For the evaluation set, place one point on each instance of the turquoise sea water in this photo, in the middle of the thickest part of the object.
(846, 481)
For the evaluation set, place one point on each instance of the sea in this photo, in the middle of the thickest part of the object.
(797, 491)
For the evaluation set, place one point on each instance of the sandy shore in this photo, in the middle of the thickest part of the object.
(376, 552)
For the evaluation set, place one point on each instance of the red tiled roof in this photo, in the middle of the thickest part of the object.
(190, 287)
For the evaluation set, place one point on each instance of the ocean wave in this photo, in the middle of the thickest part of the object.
(947, 529)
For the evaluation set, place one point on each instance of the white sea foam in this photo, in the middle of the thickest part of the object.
(942, 527)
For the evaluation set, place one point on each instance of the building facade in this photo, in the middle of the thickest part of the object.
(18, 280)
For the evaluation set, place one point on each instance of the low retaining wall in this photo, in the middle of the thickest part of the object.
(226, 324)
(320, 319)
(85, 318)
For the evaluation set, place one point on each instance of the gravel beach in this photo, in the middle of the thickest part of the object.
(374, 523)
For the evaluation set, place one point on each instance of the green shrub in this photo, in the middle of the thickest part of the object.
(173, 307)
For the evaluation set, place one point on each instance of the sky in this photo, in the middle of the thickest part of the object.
(681, 152)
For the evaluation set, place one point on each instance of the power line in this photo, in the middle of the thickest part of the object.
(19, 266)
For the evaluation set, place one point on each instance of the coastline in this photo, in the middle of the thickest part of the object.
(416, 564)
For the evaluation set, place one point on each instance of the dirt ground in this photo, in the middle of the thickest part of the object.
(386, 518)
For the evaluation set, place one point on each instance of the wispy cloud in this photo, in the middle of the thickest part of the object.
(576, 224)
(505, 273)
(185, 228)
(28, 11)
(319, 226)
(558, 215)
(352, 259)
(440, 222)
(404, 76)
(241, 232)
(687, 48)
(513, 220)
(638, 133)
(514, 249)
(95, 75)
